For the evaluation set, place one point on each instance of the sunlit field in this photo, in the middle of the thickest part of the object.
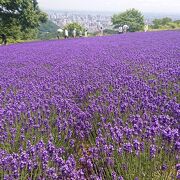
(96, 108)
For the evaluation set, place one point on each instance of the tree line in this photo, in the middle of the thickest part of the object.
(136, 21)
(165, 23)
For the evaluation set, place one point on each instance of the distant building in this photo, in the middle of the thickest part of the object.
(90, 21)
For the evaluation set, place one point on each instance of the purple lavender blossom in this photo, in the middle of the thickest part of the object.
(94, 108)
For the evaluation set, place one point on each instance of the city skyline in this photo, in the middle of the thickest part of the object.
(153, 6)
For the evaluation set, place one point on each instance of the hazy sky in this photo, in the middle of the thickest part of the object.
(165, 6)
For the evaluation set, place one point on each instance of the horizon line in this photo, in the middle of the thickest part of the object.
(106, 11)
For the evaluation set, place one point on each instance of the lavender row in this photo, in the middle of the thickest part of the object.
(96, 108)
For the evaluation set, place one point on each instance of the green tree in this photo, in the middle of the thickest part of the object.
(166, 20)
(20, 18)
(132, 17)
(177, 22)
(158, 23)
(70, 27)
(48, 30)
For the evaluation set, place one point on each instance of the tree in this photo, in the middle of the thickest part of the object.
(70, 27)
(132, 17)
(21, 15)
(165, 23)
(177, 22)
(48, 30)
(158, 23)
(166, 20)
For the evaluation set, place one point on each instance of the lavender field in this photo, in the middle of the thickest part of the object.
(101, 108)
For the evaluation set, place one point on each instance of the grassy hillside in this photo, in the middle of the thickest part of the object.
(47, 30)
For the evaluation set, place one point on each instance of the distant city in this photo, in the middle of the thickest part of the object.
(93, 21)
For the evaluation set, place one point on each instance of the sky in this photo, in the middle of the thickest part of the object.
(156, 6)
